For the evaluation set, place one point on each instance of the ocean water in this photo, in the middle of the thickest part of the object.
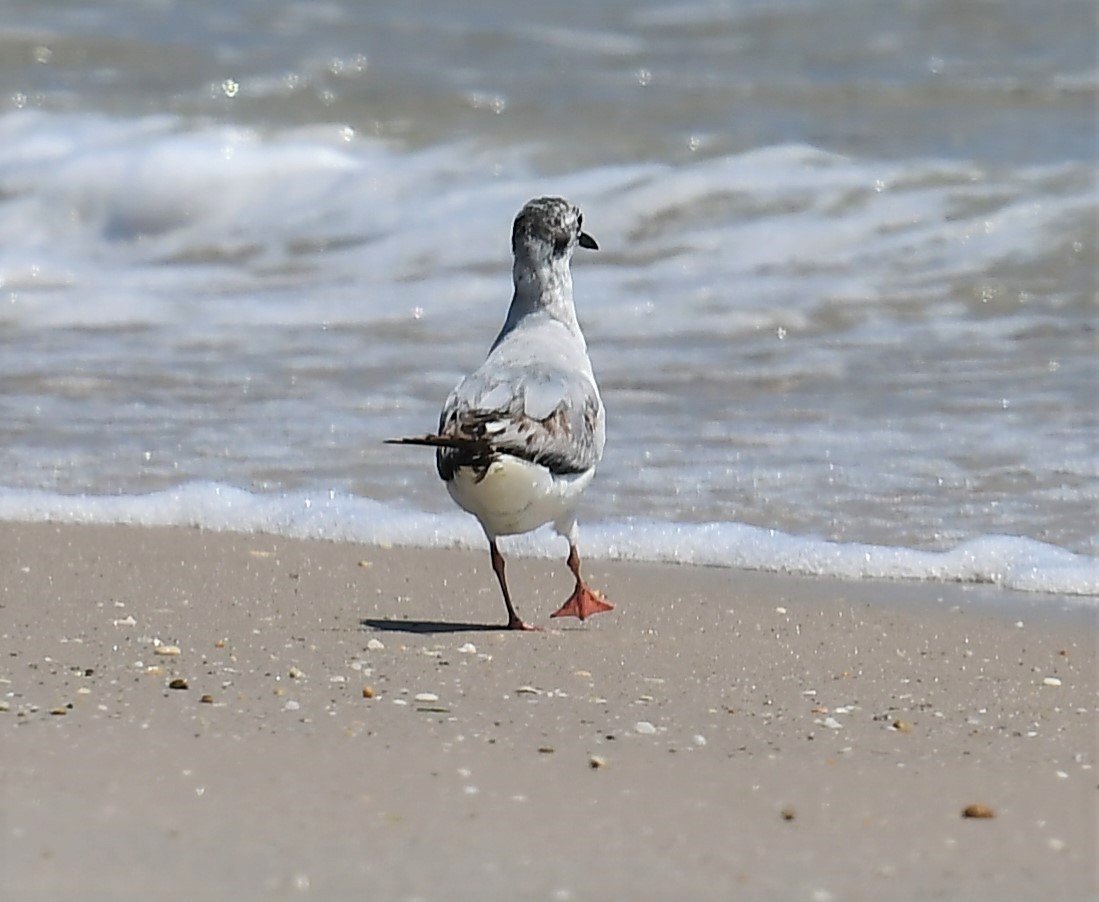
(843, 316)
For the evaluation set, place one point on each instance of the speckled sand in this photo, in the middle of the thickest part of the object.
(350, 730)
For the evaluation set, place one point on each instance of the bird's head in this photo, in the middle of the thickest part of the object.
(549, 229)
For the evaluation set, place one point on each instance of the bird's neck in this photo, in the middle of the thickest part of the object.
(542, 289)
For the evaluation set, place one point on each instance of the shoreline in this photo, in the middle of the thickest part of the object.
(1011, 562)
(721, 734)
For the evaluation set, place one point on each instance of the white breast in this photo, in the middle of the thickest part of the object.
(516, 496)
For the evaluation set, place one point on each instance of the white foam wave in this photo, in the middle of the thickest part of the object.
(149, 220)
(1009, 562)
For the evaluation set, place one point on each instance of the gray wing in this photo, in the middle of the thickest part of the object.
(536, 412)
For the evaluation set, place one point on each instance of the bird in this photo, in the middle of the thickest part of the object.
(520, 437)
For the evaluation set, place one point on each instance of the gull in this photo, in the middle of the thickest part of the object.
(520, 437)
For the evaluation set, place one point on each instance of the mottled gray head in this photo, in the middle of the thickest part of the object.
(547, 228)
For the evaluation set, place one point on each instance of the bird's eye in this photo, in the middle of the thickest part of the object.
(580, 220)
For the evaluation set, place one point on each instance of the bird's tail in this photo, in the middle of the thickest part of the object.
(458, 442)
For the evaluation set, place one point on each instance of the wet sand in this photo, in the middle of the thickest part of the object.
(350, 729)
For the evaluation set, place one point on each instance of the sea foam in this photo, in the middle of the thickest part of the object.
(1009, 562)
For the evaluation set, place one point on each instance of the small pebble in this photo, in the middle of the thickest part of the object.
(902, 726)
(207, 700)
(5, 706)
(295, 673)
(168, 650)
(832, 723)
(468, 649)
(58, 712)
(375, 645)
(644, 727)
(292, 705)
(1051, 681)
(528, 690)
(788, 813)
(178, 683)
(978, 810)
(545, 749)
(597, 761)
(698, 739)
(368, 691)
(426, 697)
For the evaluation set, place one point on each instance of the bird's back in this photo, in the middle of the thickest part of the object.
(534, 397)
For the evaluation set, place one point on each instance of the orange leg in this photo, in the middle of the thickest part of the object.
(584, 601)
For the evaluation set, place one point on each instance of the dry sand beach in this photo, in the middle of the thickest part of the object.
(350, 730)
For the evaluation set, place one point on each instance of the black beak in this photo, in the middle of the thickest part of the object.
(587, 241)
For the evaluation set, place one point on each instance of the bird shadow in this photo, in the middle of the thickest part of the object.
(427, 627)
